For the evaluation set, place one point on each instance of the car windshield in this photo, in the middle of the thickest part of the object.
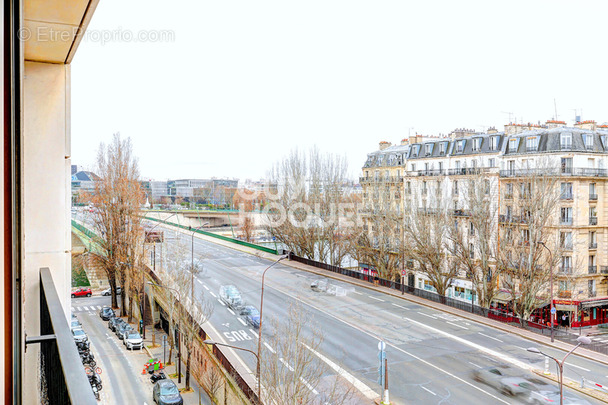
(254, 313)
(134, 336)
(78, 332)
(168, 390)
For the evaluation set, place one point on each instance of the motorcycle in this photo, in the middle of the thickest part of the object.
(88, 358)
(95, 381)
(157, 377)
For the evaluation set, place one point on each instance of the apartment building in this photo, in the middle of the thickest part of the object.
(438, 170)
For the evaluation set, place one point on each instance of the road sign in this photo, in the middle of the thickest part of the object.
(553, 311)
(381, 346)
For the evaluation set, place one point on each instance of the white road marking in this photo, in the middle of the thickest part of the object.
(286, 364)
(253, 333)
(199, 281)
(98, 307)
(72, 309)
(491, 337)
(78, 309)
(428, 390)
(310, 387)
(430, 316)
(212, 293)
(579, 367)
(205, 287)
(242, 321)
(231, 311)
(522, 348)
(221, 302)
(476, 365)
(400, 306)
(374, 298)
(460, 326)
(365, 390)
(357, 292)
(86, 308)
(269, 347)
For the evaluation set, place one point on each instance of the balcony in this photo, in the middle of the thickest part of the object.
(565, 221)
(566, 196)
(62, 368)
(592, 294)
(564, 270)
(592, 270)
(461, 213)
(567, 246)
(509, 196)
(593, 245)
(604, 270)
(592, 197)
(592, 220)
(563, 172)
(434, 172)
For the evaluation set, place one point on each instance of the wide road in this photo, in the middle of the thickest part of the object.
(431, 354)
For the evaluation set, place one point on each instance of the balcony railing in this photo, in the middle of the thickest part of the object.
(567, 246)
(565, 221)
(566, 171)
(592, 197)
(593, 245)
(592, 294)
(592, 269)
(592, 220)
(66, 381)
(604, 270)
(566, 196)
(564, 270)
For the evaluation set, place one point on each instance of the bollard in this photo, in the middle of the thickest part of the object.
(546, 372)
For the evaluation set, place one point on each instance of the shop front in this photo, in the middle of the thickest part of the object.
(576, 313)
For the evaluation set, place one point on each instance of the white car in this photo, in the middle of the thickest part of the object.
(133, 340)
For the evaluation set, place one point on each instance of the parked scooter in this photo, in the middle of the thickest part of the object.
(88, 358)
(157, 376)
(95, 381)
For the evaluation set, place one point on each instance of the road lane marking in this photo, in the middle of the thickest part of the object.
(231, 311)
(491, 337)
(78, 309)
(242, 321)
(428, 390)
(72, 309)
(574, 365)
(212, 293)
(86, 308)
(476, 365)
(430, 316)
(221, 302)
(460, 326)
(253, 333)
(400, 306)
(199, 281)
(286, 364)
(374, 298)
(98, 307)
(357, 292)
(205, 287)
(310, 387)
(269, 347)
(365, 390)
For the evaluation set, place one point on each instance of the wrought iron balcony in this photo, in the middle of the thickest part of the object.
(566, 196)
(604, 270)
(593, 245)
(565, 221)
(565, 171)
(592, 269)
(592, 197)
(564, 270)
(66, 381)
(592, 220)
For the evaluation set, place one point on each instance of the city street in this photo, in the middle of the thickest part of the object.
(431, 354)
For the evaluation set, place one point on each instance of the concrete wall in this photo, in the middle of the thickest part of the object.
(46, 197)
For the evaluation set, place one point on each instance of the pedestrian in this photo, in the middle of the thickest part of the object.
(564, 320)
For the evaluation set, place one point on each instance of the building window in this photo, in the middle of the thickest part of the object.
(460, 146)
(592, 240)
(408, 188)
(487, 188)
(471, 251)
(455, 189)
(565, 240)
(457, 164)
(491, 162)
(471, 229)
(592, 192)
(428, 148)
(566, 191)
(532, 144)
(566, 165)
(476, 144)
(565, 140)
(591, 285)
(443, 146)
(512, 145)
(566, 215)
(566, 264)
(413, 167)
(440, 167)
(509, 190)
(588, 140)
(493, 142)
(592, 215)
(424, 187)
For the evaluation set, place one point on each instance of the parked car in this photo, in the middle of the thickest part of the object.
(75, 324)
(106, 313)
(165, 392)
(251, 315)
(231, 296)
(79, 335)
(123, 330)
(108, 291)
(133, 340)
(81, 292)
(113, 323)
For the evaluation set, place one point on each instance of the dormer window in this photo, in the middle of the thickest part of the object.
(512, 145)
(443, 146)
(588, 140)
(460, 146)
(532, 144)
(428, 149)
(415, 150)
(565, 140)
(493, 142)
(477, 144)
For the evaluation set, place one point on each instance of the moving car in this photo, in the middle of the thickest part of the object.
(123, 330)
(81, 292)
(108, 291)
(106, 313)
(114, 323)
(251, 315)
(165, 392)
(499, 378)
(552, 397)
(79, 335)
(133, 340)
(231, 296)
(319, 285)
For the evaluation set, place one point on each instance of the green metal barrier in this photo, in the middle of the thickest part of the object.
(213, 235)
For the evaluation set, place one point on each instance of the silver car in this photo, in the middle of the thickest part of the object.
(231, 296)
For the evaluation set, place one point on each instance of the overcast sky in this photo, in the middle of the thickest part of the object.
(237, 84)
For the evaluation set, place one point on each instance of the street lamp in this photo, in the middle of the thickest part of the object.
(582, 340)
(551, 284)
(179, 334)
(260, 326)
(214, 343)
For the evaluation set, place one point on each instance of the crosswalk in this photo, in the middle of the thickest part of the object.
(87, 308)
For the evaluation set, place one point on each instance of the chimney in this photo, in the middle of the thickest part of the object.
(384, 145)
(555, 124)
(588, 125)
(405, 141)
(492, 130)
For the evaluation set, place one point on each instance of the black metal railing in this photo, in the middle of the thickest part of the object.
(604, 269)
(566, 196)
(592, 220)
(565, 171)
(592, 269)
(592, 197)
(565, 221)
(62, 370)
(592, 245)
(491, 313)
(564, 270)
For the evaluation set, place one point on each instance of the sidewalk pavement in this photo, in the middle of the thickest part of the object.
(190, 398)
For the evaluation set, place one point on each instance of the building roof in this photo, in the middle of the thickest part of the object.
(85, 176)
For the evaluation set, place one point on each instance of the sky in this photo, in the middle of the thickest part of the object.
(227, 88)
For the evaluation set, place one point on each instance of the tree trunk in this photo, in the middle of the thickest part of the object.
(188, 369)
(112, 282)
(123, 301)
(130, 308)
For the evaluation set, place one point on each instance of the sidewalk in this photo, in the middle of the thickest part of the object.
(190, 398)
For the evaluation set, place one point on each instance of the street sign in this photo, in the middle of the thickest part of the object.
(553, 311)
(381, 346)
(404, 272)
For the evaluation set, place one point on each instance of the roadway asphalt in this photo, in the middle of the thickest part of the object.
(431, 354)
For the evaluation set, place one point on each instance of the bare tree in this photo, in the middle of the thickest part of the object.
(295, 368)
(117, 200)
(531, 221)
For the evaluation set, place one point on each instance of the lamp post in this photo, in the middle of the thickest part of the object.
(257, 369)
(214, 343)
(582, 340)
(143, 292)
(179, 334)
(551, 285)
